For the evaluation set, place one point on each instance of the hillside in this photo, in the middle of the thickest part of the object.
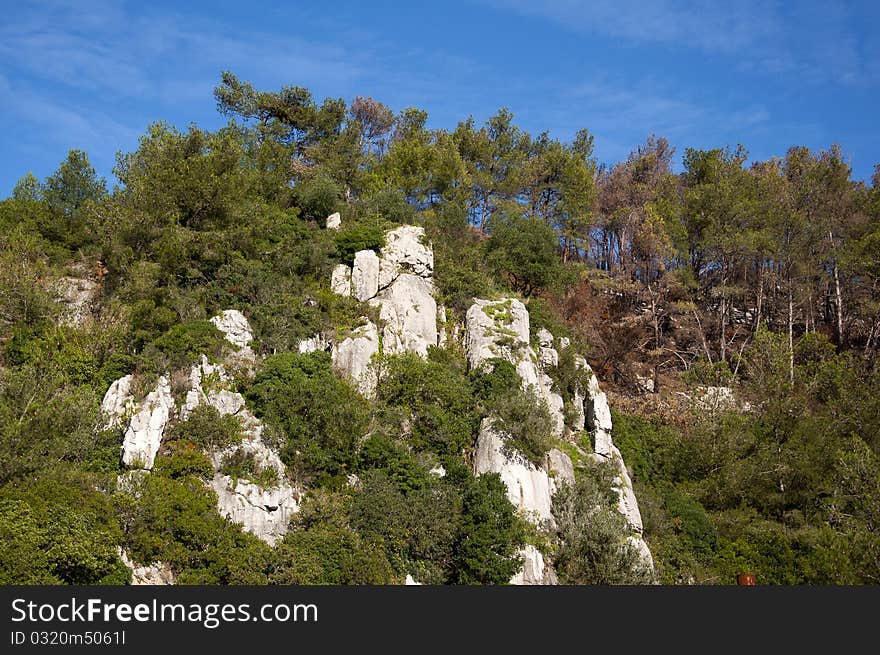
(328, 345)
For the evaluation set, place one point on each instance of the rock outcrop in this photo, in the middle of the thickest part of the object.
(264, 511)
(408, 314)
(78, 295)
(397, 281)
(500, 329)
(599, 423)
(118, 404)
(235, 327)
(340, 280)
(353, 356)
(534, 570)
(334, 221)
(158, 573)
(529, 488)
(144, 434)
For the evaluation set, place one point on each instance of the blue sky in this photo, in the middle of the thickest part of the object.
(92, 74)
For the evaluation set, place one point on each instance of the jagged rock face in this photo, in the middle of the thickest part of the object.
(405, 251)
(317, 343)
(340, 280)
(158, 573)
(501, 329)
(547, 354)
(353, 355)
(498, 329)
(334, 221)
(235, 327)
(599, 422)
(266, 512)
(534, 571)
(78, 294)
(118, 404)
(398, 282)
(529, 488)
(365, 275)
(144, 434)
(408, 312)
(560, 466)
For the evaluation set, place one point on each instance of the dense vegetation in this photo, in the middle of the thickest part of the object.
(763, 277)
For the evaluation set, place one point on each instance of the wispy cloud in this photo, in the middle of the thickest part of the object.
(813, 40)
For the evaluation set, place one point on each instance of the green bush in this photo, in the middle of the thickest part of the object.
(321, 416)
(354, 237)
(185, 343)
(593, 546)
(58, 530)
(435, 400)
(490, 534)
(176, 521)
(241, 463)
(207, 428)
(183, 459)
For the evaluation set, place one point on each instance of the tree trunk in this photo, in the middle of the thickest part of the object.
(790, 335)
(839, 297)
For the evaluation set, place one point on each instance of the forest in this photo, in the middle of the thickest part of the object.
(731, 310)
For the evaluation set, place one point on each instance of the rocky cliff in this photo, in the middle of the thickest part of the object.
(397, 282)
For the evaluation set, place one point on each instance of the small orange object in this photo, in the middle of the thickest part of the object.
(747, 579)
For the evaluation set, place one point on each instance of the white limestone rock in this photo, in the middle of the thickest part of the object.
(158, 573)
(554, 401)
(501, 329)
(265, 512)
(579, 421)
(408, 312)
(644, 552)
(144, 434)
(340, 280)
(365, 275)
(78, 295)
(598, 410)
(410, 581)
(535, 570)
(529, 488)
(317, 343)
(441, 326)
(235, 327)
(560, 467)
(217, 394)
(118, 404)
(547, 354)
(405, 251)
(353, 357)
(497, 329)
(334, 221)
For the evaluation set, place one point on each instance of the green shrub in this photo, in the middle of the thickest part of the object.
(353, 237)
(185, 343)
(490, 534)
(436, 402)
(58, 530)
(321, 416)
(241, 463)
(183, 459)
(207, 428)
(593, 546)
